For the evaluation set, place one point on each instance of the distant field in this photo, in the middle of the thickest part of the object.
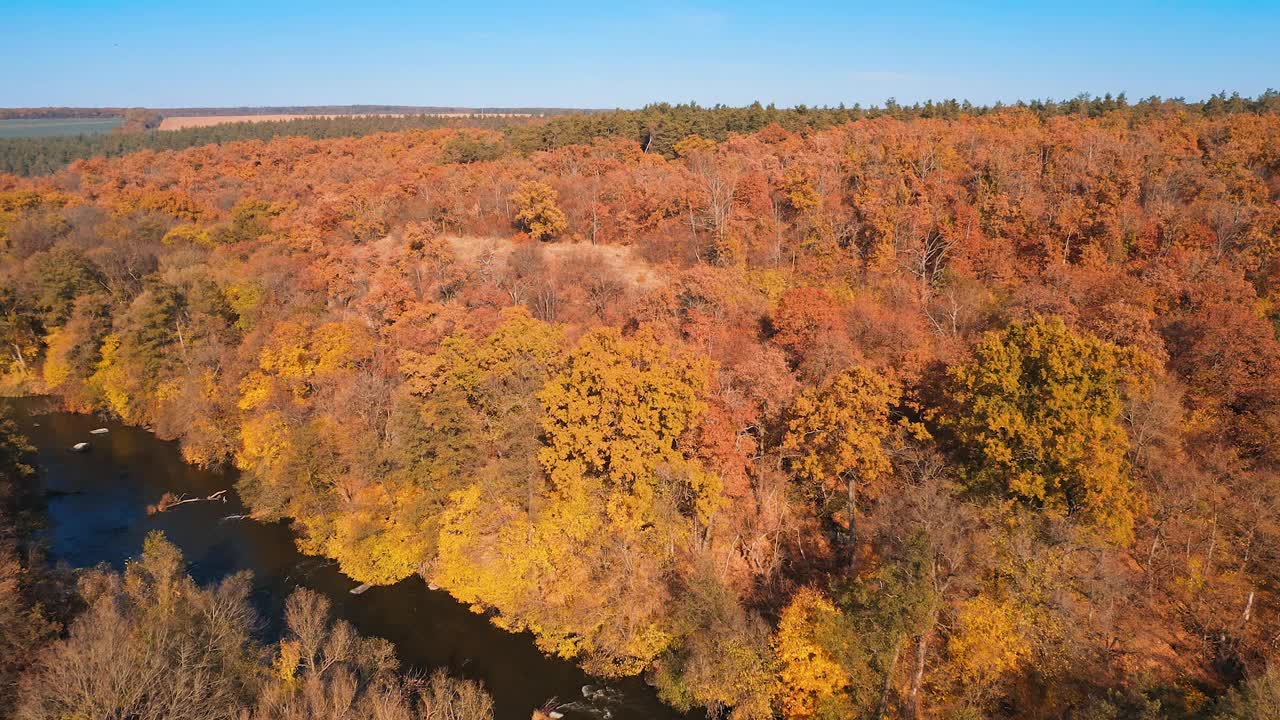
(178, 123)
(51, 127)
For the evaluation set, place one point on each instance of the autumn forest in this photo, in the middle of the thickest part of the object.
(947, 413)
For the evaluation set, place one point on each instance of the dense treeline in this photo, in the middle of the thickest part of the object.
(25, 622)
(362, 110)
(62, 112)
(659, 127)
(656, 128)
(904, 417)
(87, 112)
(44, 155)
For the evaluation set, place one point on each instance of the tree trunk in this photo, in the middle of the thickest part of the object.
(917, 679)
(852, 486)
(888, 682)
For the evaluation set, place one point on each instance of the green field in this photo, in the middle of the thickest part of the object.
(47, 127)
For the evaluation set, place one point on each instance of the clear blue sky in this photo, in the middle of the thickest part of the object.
(600, 54)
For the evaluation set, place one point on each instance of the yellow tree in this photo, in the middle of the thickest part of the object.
(1038, 411)
(381, 537)
(613, 424)
(613, 418)
(990, 639)
(838, 434)
(299, 354)
(311, 465)
(621, 497)
(469, 413)
(812, 682)
(19, 333)
(537, 212)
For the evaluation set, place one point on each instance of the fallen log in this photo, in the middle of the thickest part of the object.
(168, 501)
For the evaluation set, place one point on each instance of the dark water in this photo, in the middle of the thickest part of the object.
(97, 510)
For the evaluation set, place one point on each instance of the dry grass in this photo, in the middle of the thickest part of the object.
(178, 123)
(621, 260)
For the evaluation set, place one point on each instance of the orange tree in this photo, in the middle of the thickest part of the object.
(838, 434)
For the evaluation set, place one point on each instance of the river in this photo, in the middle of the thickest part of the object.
(97, 514)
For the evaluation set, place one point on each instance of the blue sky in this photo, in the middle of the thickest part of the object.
(598, 54)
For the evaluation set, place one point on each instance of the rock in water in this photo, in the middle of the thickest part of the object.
(80, 447)
(99, 431)
(361, 589)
